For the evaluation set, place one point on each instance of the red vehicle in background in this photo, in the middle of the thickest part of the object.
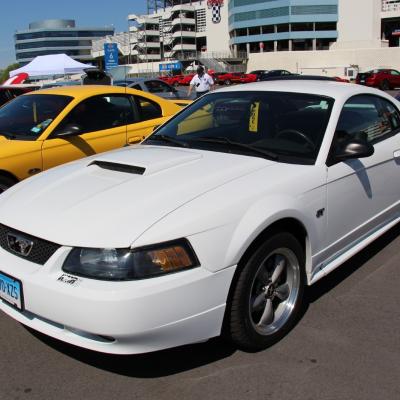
(171, 80)
(384, 79)
(185, 79)
(229, 78)
(249, 78)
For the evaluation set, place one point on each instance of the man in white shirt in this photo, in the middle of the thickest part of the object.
(202, 82)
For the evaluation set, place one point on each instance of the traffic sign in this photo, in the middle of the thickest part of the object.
(171, 66)
(110, 55)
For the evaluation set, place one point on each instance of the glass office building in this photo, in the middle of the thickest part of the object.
(282, 25)
(55, 37)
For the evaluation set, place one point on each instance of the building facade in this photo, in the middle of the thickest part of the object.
(330, 37)
(179, 30)
(282, 25)
(55, 37)
(391, 22)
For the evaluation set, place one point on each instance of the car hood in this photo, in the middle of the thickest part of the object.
(109, 200)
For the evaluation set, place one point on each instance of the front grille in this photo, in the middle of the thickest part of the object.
(41, 251)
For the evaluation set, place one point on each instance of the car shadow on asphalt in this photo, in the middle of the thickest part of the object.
(150, 365)
(172, 361)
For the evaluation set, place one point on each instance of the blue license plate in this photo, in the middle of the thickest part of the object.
(11, 290)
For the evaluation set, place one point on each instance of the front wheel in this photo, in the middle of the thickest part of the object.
(228, 82)
(268, 294)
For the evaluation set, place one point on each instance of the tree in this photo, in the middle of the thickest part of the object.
(5, 72)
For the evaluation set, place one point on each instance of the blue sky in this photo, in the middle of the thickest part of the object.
(87, 13)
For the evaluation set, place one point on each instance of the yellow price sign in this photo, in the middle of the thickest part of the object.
(254, 111)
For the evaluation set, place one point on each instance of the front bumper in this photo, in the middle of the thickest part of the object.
(119, 317)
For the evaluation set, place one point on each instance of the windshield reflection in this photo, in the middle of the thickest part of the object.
(26, 117)
(285, 126)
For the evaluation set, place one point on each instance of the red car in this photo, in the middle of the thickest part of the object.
(229, 78)
(384, 79)
(185, 79)
(248, 78)
(171, 80)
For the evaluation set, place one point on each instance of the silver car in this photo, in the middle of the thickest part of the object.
(154, 86)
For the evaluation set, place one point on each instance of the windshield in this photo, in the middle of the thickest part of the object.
(26, 117)
(287, 127)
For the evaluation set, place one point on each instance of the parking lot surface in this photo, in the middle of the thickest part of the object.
(346, 346)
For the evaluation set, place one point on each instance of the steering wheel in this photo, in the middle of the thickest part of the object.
(305, 138)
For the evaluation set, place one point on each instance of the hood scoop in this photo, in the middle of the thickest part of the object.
(113, 166)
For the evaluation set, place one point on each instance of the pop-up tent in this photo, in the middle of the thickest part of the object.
(55, 64)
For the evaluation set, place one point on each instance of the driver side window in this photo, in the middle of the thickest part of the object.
(99, 113)
(367, 116)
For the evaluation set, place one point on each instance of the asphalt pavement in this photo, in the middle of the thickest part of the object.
(346, 346)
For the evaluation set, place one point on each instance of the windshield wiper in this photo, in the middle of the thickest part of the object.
(225, 140)
(169, 139)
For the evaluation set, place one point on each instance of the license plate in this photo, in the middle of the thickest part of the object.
(362, 81)
(11, 290)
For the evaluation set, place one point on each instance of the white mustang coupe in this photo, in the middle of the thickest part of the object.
(213, 225)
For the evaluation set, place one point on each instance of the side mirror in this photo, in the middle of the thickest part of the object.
(354, 148)
(69, 130)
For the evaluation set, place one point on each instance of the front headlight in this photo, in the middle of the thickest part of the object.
(128, 264)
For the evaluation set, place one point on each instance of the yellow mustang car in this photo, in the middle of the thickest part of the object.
(42, 129)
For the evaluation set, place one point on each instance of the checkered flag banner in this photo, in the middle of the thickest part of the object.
(215, 5)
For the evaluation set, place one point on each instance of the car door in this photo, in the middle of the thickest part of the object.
(148, 116)
(395, 78)
(363, 194)
(100, 124)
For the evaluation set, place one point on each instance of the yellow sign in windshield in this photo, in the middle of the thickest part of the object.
(253, 122)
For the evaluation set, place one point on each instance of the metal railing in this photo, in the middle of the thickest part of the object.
(216, 55)
(390, 6)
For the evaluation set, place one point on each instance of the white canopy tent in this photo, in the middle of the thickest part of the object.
(55, 64)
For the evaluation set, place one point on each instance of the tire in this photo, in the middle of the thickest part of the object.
(268, 295)
(385, 85)
(6, 183)
(228, 82)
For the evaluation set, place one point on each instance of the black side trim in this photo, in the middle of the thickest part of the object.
(130, 169)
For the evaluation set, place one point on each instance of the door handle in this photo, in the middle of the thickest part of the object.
(135, 139)
(396, 154)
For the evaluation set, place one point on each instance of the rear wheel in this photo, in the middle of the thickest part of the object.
(268, 295)
(385, 85)
(6, 183)
(228, 82)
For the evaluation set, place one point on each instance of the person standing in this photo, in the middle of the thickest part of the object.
(202, 82)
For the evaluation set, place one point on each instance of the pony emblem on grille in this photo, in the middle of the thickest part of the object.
(19, 244)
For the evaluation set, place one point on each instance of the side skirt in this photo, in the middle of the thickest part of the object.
(350, 250)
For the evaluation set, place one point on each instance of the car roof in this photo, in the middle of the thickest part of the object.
(322, 88)
(138, 80)
(83, 90)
